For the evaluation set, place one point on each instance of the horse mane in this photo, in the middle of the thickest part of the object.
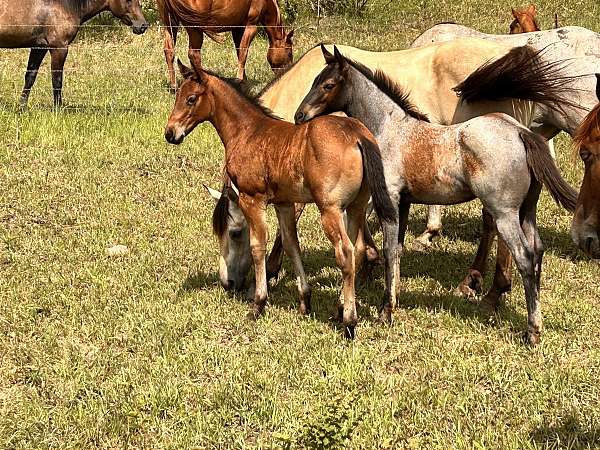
(390, 88)
(587, 127)
(221, 211)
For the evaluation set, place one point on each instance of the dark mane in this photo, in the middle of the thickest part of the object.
(280, 74)
(240, 89)
(221, 212)
(390, 88)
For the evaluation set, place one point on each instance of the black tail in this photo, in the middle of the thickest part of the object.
(520, 74)
(544, 170)
(382, 202)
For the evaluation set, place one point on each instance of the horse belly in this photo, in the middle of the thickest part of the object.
(26, 26)
(21, 37)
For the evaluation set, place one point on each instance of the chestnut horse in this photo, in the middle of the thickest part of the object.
(333, 162)
(524, 20)
(51, 26)
(585, 228)
(211, 17)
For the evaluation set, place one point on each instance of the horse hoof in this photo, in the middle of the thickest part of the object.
(349, 332)
(531, 338)
(385, 316)
(304, 309)
(471, 286)
(253, 315)
(427, 239)
(488, 307)
(338, 314)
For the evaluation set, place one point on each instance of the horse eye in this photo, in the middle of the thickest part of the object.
(235, 234)
(329, 86)
(191, 100)
(585, 154)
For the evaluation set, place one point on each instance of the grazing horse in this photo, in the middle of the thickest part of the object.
(333, 162)
(211, 17)
(491, 157)
(524, 20)
(51, 26)
(585, 228)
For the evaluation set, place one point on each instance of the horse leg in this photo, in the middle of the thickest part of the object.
(249, 33)
(502, 277)
(254, 210)
(393, 245)
(473, 282)
(434, 226)
(170, 42)
(276, 256)
(36, 56)
(366, 271)
(289, 235)
(58, 57)
(196, 40)
(509, 228)
(332, 221)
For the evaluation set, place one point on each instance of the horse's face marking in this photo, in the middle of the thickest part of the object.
(130, 13)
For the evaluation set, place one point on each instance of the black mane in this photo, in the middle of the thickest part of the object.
(390, 88)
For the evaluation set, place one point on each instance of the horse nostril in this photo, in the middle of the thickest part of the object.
(588, 244)
(169, 135)
(299, 117)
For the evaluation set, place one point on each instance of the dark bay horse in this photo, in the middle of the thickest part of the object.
(240, 17)
(51, 25)
(332, 161)
(491, 157)
(585, 228)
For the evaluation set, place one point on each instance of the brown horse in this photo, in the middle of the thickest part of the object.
(585, 228)
(524, 20)
(332, 161)
(51, 26)
(211, 17)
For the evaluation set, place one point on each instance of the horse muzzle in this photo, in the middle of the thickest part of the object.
(586, 238)
(139, 28)
(174, 135)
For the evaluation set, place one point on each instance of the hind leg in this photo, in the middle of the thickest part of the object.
(333, 225)
(434, 226)
(170, 42)
(523, 252)
(289, 235)
(276, 256)
(502, 277)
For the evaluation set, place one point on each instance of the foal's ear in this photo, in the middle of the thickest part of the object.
(598, 86)
(198, 72)
(531, 9)
(514, 13)
(185, 71)
(329, 58)
(216, 195)
(339, 58)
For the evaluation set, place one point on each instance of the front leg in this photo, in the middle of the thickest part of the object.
(36, 57)
(58, 57)
(254, 209)
(244, 45)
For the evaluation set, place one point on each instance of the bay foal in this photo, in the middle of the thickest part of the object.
(332, 161)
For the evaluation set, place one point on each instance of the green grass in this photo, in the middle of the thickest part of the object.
(147, 351)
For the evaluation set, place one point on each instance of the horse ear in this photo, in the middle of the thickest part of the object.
(216, 195)
(290, 36)
(531, 9)
(338, 57)
(195, 61)
(329, 58)
(186, 72)
(514, 13)
(598, 86)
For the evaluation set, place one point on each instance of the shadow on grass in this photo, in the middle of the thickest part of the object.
(567, 434)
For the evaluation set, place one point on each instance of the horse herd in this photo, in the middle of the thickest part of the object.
(458, 116)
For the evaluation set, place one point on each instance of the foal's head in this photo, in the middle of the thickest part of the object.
(193, 105)
(231, 228)
(524, 20)
(327, 93)
(280, 53)
(130, 13)
(585, 227)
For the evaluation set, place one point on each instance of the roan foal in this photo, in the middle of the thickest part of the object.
(490, 157)
(333, 162)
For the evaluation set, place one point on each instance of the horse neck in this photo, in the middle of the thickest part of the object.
(367, 103)
(235, 118)
(272, 20)
(90, 8)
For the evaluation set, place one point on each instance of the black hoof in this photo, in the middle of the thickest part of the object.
(253, 315)
(385, 317)
(349, 332)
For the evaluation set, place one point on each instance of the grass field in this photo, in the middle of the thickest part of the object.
(147, 351)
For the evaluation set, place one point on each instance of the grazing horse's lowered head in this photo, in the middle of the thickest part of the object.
(585, 228)
(130, 13)
(280, 50)
(524, 20)
(231, 228)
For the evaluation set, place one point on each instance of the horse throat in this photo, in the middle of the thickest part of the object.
(86, 9)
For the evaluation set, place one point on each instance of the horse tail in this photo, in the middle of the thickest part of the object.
(521, 74)
(373, 166)
(544, 170)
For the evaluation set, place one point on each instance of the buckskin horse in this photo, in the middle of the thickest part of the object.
(491, 157)
(332, 161)
(201, 17)
(44, 26)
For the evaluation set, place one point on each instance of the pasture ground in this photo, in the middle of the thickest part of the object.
(147, 351)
